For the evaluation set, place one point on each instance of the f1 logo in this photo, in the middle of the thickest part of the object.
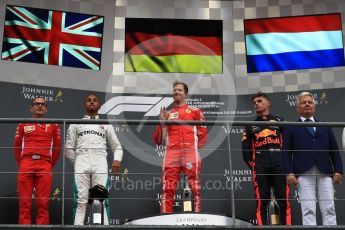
(150, 105)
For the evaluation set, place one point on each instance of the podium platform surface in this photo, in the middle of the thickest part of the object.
(203, 219)
(157, 226)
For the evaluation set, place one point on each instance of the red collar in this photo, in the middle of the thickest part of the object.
(181, 106)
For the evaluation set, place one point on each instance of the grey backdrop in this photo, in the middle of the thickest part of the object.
(135, 192)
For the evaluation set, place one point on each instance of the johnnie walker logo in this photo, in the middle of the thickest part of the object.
(50, 95)
(320, 99)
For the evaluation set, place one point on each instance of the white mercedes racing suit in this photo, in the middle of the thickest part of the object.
(85, 147)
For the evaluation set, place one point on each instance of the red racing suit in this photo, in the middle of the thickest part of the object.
(182, 144)
(37, 149)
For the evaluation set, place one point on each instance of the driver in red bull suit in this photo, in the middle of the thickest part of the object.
(261, 147)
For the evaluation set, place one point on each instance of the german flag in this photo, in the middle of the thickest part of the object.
(173, 45)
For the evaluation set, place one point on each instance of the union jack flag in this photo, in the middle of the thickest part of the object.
(52, 37)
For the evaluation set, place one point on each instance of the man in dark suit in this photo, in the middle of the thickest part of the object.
(312, 160)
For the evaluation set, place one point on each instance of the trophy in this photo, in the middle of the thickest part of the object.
(97, 194)
(187, 199)
(273, 210)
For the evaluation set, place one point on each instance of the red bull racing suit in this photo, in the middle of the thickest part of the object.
(261, 147)
(182, 144)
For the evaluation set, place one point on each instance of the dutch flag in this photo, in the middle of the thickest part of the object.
(292, 43)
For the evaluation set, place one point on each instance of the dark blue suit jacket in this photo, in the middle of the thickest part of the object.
(303, 150)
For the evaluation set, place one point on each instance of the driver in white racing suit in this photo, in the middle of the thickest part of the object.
(85, 147)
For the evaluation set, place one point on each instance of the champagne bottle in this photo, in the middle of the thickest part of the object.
(187, 197)
(96, 212)
(273, 210)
